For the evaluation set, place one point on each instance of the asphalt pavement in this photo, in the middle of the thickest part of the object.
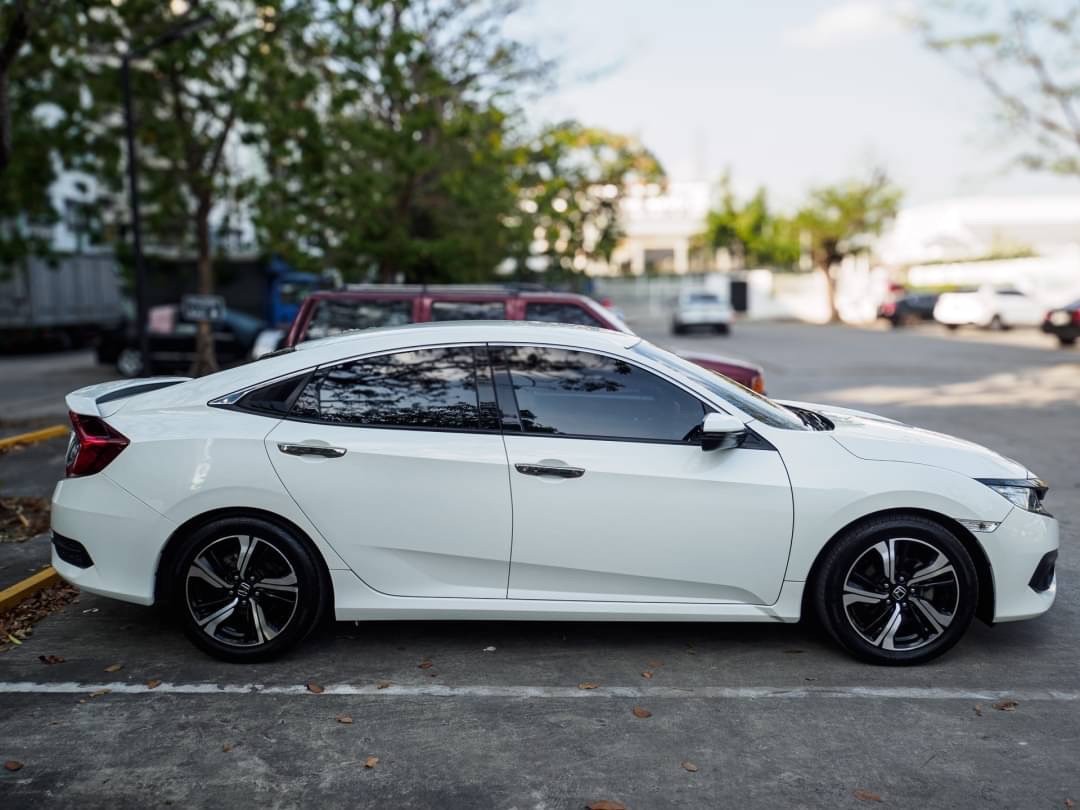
(740, 715)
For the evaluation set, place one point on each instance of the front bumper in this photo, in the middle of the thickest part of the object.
(1017, 549)
(122, 538)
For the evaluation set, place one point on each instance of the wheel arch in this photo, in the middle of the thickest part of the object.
(162, 587)
(984, 610)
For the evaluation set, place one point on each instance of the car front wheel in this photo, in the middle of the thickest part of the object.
(897, 591)
(247, 589)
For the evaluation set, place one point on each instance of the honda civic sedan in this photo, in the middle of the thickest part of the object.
(500, 470)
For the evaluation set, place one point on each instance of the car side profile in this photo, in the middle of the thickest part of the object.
(989, 308)
(501, 470)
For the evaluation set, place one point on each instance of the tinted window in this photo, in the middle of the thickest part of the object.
(274, 398)
(431, 388)
(334, 316)
(569, 393)
(561, 313)
(702, 298)
(468, 310)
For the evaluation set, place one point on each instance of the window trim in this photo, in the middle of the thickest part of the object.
(497, 360)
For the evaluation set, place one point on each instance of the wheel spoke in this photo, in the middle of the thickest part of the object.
(885, 639)
(247, 549)
(938, 567)
(211, 623)
(856, 596)
(262, 627)
(286, 584)
(939, 621)
(886, 549)
(201, 569)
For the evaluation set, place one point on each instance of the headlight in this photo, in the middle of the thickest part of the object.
(1026, 493)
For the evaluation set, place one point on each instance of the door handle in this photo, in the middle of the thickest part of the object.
(311, 450)
(553, 472)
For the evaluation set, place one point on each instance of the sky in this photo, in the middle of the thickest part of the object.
(783, 93)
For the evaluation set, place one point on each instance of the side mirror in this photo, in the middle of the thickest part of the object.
(722, 431)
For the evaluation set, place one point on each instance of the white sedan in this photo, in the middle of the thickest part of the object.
(501, 470)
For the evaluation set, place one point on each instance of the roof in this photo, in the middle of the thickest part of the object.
(395, 338)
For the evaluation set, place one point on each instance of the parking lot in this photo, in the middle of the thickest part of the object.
(478, 715)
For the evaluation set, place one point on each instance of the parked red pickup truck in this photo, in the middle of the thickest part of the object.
(331, 312)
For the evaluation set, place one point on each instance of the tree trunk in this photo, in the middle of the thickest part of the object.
(829, 272)
(205, 357)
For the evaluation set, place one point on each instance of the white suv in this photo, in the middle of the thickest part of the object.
(701, 309)
(989, 308)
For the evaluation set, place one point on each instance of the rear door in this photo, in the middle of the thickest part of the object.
(613, 497)
(398, 461)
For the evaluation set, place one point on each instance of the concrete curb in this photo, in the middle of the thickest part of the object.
(34, 436)
(10, 597)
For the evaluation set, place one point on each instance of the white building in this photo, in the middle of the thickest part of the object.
(966, 228)
(660, 227)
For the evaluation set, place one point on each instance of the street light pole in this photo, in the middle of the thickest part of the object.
(136, 218)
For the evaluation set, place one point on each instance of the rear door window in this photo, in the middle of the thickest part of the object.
(468, 310)
(333, 316)
(434, 389)
(561, 313)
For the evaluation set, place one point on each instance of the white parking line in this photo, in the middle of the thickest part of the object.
(549, 692)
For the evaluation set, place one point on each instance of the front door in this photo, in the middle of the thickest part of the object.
(614, 499)
(398, 462)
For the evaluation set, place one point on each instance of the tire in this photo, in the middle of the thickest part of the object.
(1066, 341)
(997, 325)
(929, 619)
(129, 362)
(285, 598)
(722, 329)
(678, 329)
(952, 327)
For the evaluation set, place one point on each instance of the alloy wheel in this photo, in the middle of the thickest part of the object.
(241, 591)
(901, 594)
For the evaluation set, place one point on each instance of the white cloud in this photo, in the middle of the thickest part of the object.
(847, 22)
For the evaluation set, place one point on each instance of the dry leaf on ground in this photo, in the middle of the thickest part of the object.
(227, 747)
(114, 667)
(382, 684)
(642, 712)
(344, 719)
(866, 795)
(1007, 705)
(606, 804)
(425, 664)
(688, 766)
(371, 762)
(17, 624)
(647, 674)
(314, 688)
(50, 659)
(13, 765)
(588, 685)
(153, 683)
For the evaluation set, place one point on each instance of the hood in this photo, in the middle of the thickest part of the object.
(878, 438)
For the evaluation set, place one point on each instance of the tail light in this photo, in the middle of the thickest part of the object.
(1076, 316)
(888, 308)
(758, 384)
(93, 445)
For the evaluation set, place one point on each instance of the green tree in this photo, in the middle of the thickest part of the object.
(570, 185)
(397, 163)
(196, 98)
(751, 232)
(32, 123)
(1027, 57)
(841, 220)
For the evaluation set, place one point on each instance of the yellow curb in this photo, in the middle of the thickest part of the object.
(53, 432)
(10, 597)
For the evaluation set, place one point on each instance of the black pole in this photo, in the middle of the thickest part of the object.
(136, 218)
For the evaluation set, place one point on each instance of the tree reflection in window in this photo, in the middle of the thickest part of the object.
(430, 388)
(571, 393)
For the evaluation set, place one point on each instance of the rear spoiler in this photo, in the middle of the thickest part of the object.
(105, 399)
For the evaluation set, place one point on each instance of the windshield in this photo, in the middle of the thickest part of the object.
(752, 404)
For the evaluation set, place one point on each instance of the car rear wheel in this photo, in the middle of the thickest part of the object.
(1066, 341)
(247, 589)
(897, 591)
